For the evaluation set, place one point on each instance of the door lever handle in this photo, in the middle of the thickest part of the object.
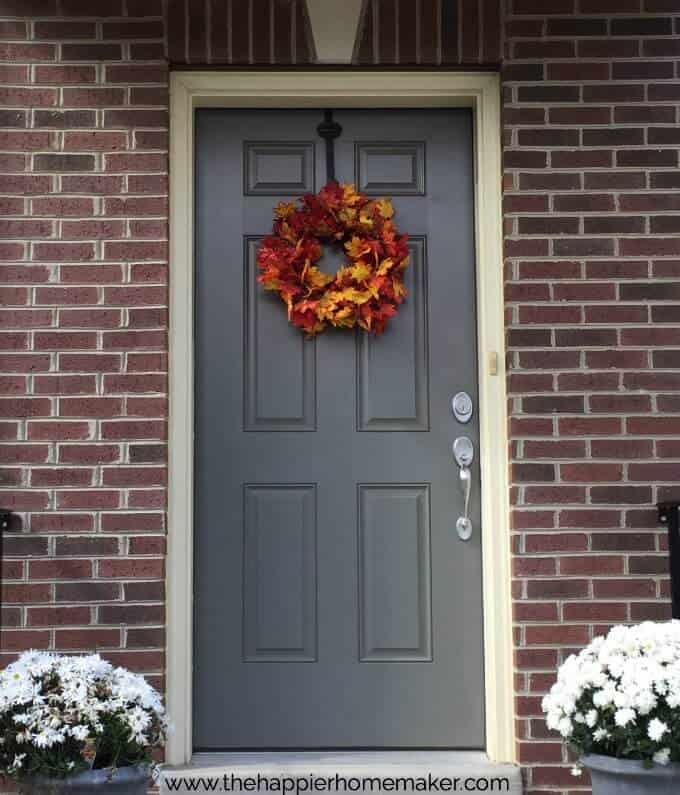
(464, 453)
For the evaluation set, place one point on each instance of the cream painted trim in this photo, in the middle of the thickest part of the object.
(480, 91)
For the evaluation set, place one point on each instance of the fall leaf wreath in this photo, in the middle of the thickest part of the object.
(364, 292)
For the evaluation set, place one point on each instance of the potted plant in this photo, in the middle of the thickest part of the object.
(77, 724)
(617, 704)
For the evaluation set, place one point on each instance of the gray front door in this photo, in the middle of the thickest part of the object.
(335, 605)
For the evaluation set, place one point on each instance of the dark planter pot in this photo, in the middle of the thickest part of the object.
(612, 776)
(128, 780)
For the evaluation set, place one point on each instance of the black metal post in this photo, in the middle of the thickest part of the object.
(668, 515)
(329, 130)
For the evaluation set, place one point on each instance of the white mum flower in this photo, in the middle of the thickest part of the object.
(591, 718)
(656, 729)
(624, 717)
(565, 727)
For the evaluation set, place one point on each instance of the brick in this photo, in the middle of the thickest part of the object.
(59, 569)
(65, 74)
(546, 94)
(64, 119)
(97, 183)
(589, 518)
(556, 634)
(642, 70)
(587, 337)
(647, 158)
(542, 495)
(94, 407)
(89, 546)
(85, 362)
(62, 476)
(551, 404)
(641, 26)
(93, 97)
(70, 29)
(578, 71)
(629, 495)
(96, 274)
(64, 384)
(90, 318)
(583, 247)
(57, 430)
(86, 639)
(613, 92)
(93, 228)
(589, 426)
(66, 295)
(135, 73)
(95, 140)
(59, 162)
(622, 542)
(89, 453)
(131, 522)
(614, 612)
(131, 614)
(619, 403)
(95, 499)
(62, 523)
(90, 52)
(62, 206)
(134, 476)
(582, 158)
(27, 97)
(144, 568)
(87, 591)
(54, 340)
(57, 616)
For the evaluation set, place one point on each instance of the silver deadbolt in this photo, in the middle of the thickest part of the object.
(461, 405)
(464, 454)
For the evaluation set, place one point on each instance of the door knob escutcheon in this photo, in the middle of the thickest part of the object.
(464, 453)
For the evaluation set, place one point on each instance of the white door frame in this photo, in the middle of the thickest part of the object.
(295, 89)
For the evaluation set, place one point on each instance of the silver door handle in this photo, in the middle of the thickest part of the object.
(464, 453)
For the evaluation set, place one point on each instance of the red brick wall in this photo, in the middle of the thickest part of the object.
(591, 98)
(593, 263)
(83, 134)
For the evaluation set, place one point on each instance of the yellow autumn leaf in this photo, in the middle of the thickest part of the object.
(284, 209)
(365, 220)
(398, 287)
(356, 247)
(316, 278)
(385, 266)
(385, 208)
(350, 194)
(360, 271)
(347, 215)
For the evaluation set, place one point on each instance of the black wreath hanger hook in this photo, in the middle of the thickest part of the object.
(329, 130)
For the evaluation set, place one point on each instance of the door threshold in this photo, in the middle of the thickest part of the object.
(463, 765)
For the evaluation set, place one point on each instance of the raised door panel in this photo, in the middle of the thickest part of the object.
(279, 573)
(394, 573)
(278, 169)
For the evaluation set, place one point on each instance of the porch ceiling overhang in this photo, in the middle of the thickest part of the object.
(325, 32)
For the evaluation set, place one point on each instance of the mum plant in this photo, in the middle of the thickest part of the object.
(620, 696)
(61, 715)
